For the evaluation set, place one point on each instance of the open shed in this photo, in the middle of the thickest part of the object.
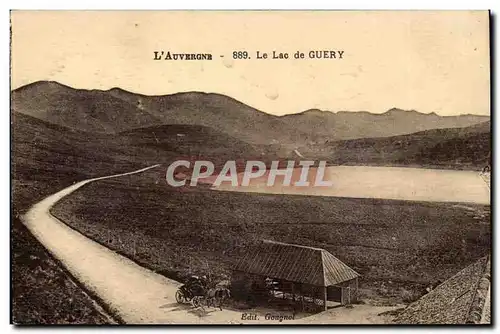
(302, 274)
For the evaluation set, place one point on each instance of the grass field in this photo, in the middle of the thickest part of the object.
(398, 247)
(47, 158)
(175, 231)
(42, 292)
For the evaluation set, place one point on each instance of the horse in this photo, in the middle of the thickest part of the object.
(217, 295)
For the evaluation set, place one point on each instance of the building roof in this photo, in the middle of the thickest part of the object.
(295, 263)
(461, 299)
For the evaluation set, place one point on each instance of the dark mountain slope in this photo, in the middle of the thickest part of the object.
(117, 110)
(47, 157)
(461, 148)
(90, 111)
(41, 150)
(193, 142)
(362, 124)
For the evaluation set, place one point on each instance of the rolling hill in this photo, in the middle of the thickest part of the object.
(361, 124)
(115, 110)
(61, 135)
(455, 148)
(47, 157)
(44, 151)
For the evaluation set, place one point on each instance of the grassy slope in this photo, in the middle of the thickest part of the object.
(399, 247)
(462, 148)
(43, 293)
(116, 110)
(47, 158)
(349, 125)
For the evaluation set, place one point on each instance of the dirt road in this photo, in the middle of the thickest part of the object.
(135, 294)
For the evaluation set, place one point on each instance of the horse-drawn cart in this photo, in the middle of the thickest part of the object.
(199, 294)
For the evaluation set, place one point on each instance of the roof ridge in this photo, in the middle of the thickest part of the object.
(293, 245)
(444, 295)
(475, 310)
(337, 259)
(295, 263)
(458, 273)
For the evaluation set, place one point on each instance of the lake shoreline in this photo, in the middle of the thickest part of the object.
(397, 183)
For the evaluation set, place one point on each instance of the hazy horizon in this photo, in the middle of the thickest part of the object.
(428, 61)
(264, 111)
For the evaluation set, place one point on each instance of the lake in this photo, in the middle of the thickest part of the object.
(415, 184)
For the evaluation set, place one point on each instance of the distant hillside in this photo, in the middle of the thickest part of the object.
(41, 150)
(116, 110)
(362, 124)
(462, 148)
(86, 110)
(193, 141)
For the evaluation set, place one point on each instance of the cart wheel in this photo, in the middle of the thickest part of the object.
(196, 301)
(203, 302)
(179, 297)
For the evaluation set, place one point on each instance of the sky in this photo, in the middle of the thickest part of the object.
(428, 61)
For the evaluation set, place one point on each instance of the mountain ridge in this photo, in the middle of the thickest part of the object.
(122, 90)
(116, 110)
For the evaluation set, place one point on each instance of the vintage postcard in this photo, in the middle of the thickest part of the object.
(250, 167)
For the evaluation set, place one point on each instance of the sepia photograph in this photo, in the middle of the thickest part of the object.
(250, 167)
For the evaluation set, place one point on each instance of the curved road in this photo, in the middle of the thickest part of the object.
(137, 295)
